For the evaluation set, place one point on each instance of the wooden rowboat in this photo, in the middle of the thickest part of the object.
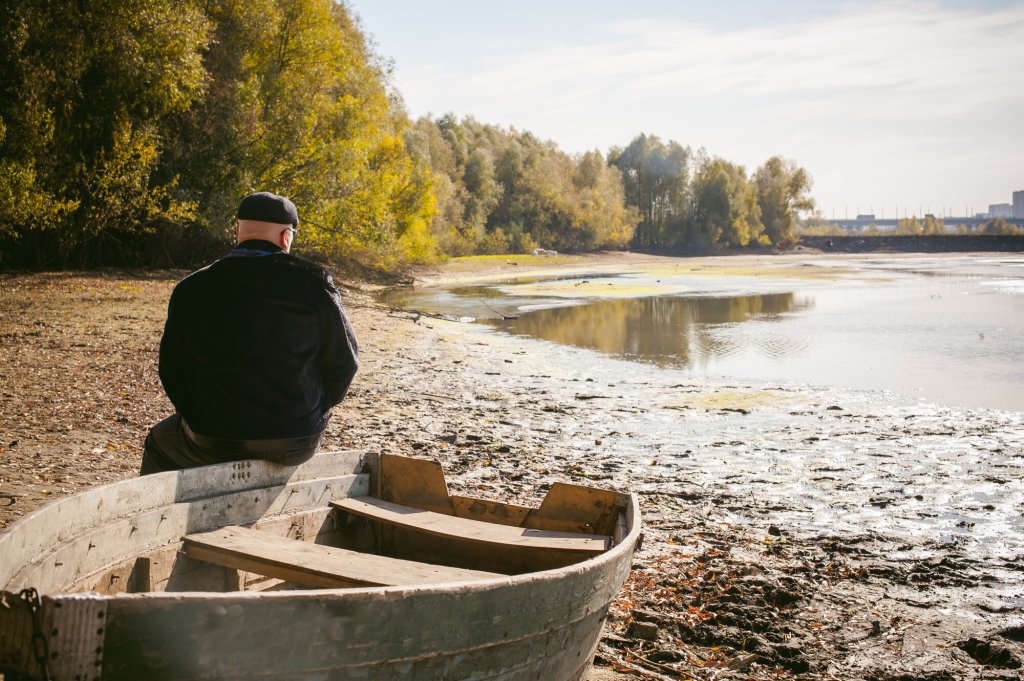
(350, 566)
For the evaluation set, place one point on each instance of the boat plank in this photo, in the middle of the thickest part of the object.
(498, 512)
(314, 565)
(418, 483)
(471, 530)
(76, 560)
(577, 508)
(71, 517)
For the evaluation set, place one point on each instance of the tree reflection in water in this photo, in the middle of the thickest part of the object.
(667, 330)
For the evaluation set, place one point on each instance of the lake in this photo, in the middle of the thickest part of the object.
(941, 329)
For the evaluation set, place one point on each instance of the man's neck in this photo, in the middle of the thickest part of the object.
(259, 245)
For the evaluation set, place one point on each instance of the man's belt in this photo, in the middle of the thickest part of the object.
(287, 451)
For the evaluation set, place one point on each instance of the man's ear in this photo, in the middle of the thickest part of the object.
(282, 239)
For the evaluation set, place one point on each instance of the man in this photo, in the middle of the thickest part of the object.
(255, 353)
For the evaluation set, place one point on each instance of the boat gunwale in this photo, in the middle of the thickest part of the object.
(195, 481)
(626, 544)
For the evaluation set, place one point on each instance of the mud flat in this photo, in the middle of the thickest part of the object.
(792, 531)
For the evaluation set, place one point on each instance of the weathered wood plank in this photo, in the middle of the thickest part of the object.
(576, 508)
(64, 564)
(65, 519)
(315, 565)
(471, 530)
(414, 482)
(490, 511)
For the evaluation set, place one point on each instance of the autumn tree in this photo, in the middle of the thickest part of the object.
(908, 227)
(140, 122)
(933, 226)
(656, 178)
(726, 211)
(1000, 227)
(86, 94)
(302, 108)
(507, 191)
(783, 192)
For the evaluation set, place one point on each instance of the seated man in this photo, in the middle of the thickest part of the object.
(256, 351)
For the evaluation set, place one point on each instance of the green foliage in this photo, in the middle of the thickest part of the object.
(782, 193)
(302, 109)
(691, 201)
(656, 179)
(726, 206)
(501, 191)
(130, 129)
(86, 92)
(817, 225)
(129, 121)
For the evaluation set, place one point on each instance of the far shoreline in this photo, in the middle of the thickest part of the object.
(481, 269)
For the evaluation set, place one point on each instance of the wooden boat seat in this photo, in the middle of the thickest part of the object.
(475, 531)
(314, 565)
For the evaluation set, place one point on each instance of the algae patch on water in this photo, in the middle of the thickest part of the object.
(803, 272)
(593, 288)
(746, 400)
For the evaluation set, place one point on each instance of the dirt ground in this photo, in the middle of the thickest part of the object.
(707, 598)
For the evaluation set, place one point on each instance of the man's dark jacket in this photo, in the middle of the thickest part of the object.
(257, 346)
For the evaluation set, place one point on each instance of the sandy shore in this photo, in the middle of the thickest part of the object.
(723, 588)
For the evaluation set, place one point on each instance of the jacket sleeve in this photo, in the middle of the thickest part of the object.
(172, 368)
(339, 356)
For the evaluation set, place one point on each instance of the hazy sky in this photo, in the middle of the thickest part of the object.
(888, 104)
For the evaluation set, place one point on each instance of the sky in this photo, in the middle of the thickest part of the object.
(904, 106)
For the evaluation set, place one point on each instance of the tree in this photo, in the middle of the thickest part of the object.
(726, 211)
(302, 108)
(87, 92)
(783, 192)
(656, 178)
(505, 190)
(125, 124)
(909, 227)
(1000, 227)
(933, 226)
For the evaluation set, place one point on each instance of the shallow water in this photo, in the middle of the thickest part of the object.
(916, 482)
(782, 399)
(943, 330)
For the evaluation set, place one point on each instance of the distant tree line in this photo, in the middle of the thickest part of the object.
(690, 200)
(912, 226)
(500, 191)
(129, 130)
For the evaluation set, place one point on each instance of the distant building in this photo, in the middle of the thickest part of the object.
(1000, 210)
(1018, 204)
(867, 216)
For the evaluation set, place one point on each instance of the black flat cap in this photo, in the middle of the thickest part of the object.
(267, 207)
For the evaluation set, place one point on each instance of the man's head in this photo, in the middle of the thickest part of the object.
(268, 217)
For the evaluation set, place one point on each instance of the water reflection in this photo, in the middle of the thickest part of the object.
(668, 331)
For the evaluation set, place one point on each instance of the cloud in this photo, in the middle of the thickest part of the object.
(907, 78)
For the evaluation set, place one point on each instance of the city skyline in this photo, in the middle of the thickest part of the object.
(885, 104)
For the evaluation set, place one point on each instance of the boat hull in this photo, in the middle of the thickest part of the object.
(540, 625)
